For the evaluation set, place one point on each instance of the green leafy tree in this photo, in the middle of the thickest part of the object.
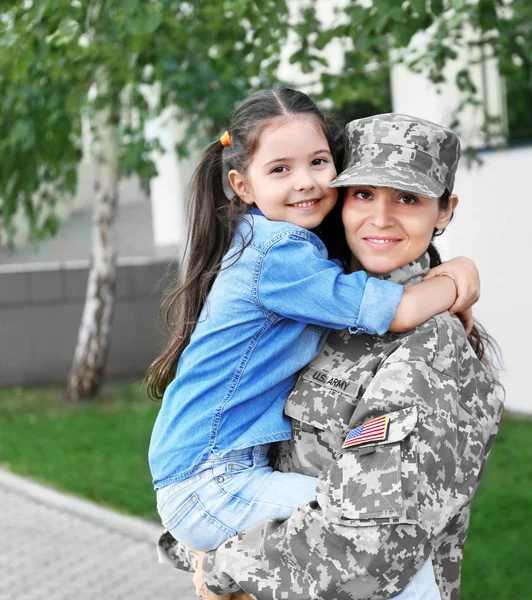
(202, 56)
(374, 34)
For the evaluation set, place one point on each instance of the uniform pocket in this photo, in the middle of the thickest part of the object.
(377, 482)
(322, 400)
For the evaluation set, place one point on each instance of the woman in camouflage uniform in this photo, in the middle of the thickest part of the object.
(398, 428)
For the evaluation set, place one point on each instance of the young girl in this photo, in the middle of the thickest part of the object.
(258, 300)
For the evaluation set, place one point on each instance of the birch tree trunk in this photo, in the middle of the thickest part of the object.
(86, 372)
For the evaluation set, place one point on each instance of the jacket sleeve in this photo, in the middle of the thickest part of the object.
(296, 280)
(448, 552)
(448, 547)
(378, 505)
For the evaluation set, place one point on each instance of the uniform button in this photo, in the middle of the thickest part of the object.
(220, 479)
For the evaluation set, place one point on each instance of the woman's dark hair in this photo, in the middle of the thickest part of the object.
(479, 338)
(336, 243)
(214, 211)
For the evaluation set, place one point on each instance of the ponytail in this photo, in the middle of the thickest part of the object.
(212, 221)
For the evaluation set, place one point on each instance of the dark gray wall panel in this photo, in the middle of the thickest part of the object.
(40, 313)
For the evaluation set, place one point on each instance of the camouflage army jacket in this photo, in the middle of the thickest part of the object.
(383, 507)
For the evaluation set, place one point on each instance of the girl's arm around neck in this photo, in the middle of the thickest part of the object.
(422, 301)
(456, 287)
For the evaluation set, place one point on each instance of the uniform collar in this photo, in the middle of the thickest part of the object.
(411, 273)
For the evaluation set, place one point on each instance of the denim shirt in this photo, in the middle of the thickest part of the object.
(267, 315)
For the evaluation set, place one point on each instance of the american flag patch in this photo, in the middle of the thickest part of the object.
(371, 431)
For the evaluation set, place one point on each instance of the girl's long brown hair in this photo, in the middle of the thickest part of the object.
(214, 211)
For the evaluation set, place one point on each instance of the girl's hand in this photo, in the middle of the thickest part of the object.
(201, 588)
(466, 316)
(464, 273)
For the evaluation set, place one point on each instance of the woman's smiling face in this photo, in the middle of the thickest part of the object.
(386, 228)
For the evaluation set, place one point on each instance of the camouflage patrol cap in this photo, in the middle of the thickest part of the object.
(401, 152)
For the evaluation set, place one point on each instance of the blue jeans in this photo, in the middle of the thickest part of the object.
(228, 494)
(422, 587)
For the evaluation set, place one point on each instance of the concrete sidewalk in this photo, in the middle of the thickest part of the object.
(57, 547)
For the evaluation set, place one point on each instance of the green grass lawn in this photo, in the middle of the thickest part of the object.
(98, 451)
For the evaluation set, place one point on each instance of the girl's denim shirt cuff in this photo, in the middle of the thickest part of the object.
(378, 307)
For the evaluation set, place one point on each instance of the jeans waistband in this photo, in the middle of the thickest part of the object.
(253, 451)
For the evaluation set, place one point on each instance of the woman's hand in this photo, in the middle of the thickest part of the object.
(466, 316)
(464, 273)
(199, 583)
(201, 588)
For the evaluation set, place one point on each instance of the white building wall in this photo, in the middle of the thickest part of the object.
(492, 226)
(168, 189)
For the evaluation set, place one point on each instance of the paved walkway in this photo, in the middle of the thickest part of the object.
(57, 547)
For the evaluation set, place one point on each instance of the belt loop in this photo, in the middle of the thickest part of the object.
(259, 451)
(255, 454)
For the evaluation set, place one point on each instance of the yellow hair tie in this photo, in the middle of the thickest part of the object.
(226, 139)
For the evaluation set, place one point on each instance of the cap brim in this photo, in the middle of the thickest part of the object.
(400, 178)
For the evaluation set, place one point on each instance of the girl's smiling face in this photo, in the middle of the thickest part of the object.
(288, 177)
(386, 228)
